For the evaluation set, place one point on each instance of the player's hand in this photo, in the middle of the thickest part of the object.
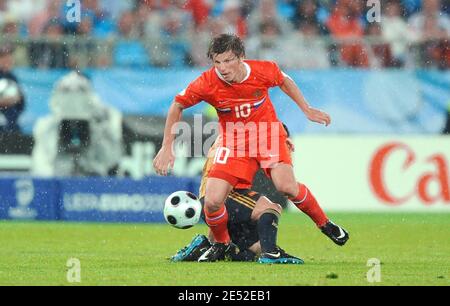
(290, 145)
(318, 116)
(164, 161)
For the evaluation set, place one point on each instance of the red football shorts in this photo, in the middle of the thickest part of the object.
(240, 171)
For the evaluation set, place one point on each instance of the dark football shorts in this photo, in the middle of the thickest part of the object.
(240, 204)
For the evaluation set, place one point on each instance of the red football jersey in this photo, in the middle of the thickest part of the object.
(247, 102)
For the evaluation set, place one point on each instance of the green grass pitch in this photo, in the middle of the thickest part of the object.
(414, 249)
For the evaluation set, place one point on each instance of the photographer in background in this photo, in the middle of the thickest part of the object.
(12, 100)
(82, 136)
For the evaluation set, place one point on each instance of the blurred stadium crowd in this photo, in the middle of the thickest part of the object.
(176, 33)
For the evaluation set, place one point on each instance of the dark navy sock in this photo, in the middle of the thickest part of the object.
(267, 230)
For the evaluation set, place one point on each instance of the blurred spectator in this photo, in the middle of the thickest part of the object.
(248, 6)
(129, 51)
(380, 52)
(167, 32)
(268, 43)
(83, 52)
(200, 10)
(326, 5)
(10, 32)
(115, 9)
(202, 37)
(431, 22)
(12, 100)
(344, 24)
(42, 19)
(357, 9)
(11, 26)
(101, 23)
(24, 10)
(152, 19)
(94, 8)
(264, 11)
(232, 18)
(324, 9)
(446, 54)
(50, 53)
(142, 14)
(396, 32)
(433, 28)
(153, 22)
(177, 20)
(86, 26)
(157, 4)
(94, 21)
(127, 25)
(306, 12)
(411, 6)
(176, 32)
(176, 26)
(3, 11)
(304, 49)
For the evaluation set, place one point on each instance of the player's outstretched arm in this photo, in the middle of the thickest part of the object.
(291, 89)
(165, 158)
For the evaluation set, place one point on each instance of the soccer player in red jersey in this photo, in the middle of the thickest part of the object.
(252, 135)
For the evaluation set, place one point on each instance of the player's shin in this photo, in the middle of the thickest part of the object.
(268, 230)
(218, 223)
(307, 203)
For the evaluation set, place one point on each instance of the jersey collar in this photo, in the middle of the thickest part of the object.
(247, 68)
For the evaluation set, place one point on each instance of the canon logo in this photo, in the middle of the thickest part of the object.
(438, 176)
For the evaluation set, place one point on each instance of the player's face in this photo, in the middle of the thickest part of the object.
(229, 65)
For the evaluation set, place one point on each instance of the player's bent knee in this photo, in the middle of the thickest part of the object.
(289, 189)
(278, 208)
(211, 207)
(264, 205)
(213, 204)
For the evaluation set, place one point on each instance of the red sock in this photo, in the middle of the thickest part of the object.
(218, 223)
(307, 203)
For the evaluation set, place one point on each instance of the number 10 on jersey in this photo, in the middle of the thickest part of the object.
(243, 111)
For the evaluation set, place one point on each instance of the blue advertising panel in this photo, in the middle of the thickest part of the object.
(118, 200)
(28, 199)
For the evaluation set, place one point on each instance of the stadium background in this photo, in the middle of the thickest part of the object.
(385, 84)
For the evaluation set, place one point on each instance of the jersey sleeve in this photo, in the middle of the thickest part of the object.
(276, 76)
(194, 93)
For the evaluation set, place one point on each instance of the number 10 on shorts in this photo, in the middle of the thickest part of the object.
(222, 155)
